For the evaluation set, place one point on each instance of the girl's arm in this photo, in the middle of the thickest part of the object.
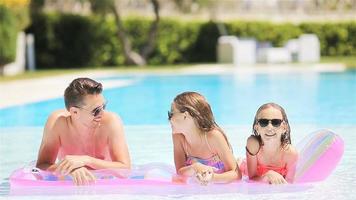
(252, 148)
(232, 172)
(179, 156)
(291, 158)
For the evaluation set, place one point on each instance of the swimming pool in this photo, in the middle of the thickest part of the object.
(312, 101)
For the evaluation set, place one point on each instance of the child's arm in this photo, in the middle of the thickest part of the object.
(291, 158)
(232, 172)
(179, 156)
(252, 149)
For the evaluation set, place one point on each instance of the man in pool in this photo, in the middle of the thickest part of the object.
(84, 136)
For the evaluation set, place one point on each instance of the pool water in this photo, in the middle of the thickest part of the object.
(312, 101)
(309, 98)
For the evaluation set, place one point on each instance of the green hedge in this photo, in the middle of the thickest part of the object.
(335, 39)
(8, 35)
(63, 41)
(77, 41)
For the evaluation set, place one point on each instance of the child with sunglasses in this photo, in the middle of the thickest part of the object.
(270, 156)
(201, 148)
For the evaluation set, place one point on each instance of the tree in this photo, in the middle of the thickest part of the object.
(13, 18)
(8, 32)
(131, 57)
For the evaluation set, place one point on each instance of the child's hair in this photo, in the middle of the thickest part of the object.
(198, 107)
(285, 138)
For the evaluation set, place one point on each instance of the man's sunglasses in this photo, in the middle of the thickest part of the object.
(96, 111)
(274, 122)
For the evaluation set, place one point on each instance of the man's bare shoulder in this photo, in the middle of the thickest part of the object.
(111, 122)
(58, 119)
(111, 117)
(58, 114)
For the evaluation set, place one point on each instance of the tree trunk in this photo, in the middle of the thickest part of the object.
(132, 57)
(151, 40)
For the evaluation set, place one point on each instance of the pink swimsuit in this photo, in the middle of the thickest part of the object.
(262, 169)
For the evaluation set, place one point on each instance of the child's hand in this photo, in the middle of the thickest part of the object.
(205, 178)
(203, 173)
(273, 177)
(200, 168)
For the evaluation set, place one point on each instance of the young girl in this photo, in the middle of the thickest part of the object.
(269, 154)
(201, 148)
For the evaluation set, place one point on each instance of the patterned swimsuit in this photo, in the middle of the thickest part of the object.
(213, 161)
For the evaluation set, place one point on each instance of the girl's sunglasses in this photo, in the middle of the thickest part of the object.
(170, 114)
(274, 122)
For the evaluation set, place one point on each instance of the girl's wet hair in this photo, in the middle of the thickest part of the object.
(198, 107)
(285, 138)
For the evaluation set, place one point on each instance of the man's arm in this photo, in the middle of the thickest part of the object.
(117, 144)
(50, 143)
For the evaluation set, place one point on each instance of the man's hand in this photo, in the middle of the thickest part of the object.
(82, 176)
(70, 163)
(273, 177)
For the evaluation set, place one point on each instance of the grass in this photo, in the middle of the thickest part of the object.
(55, 72)
(349, 61)
(37, 74)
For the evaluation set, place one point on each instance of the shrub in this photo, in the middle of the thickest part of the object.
(8, 35)
(65, 41)
(77, 41)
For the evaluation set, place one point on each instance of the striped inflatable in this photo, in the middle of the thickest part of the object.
(319, 154)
